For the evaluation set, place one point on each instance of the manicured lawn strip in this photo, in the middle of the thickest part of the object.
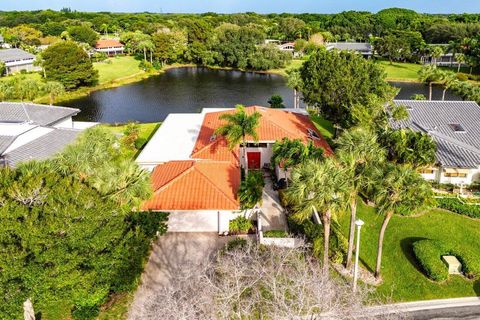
(324, 126)
(116, 68)
(401, 71)
(403, 280)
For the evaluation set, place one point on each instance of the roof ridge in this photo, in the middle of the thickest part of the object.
(455, 142)
(215, 186)
(38, 104)
(184, 172)
(279, 126)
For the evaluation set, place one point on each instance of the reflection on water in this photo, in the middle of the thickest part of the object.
(186, 90)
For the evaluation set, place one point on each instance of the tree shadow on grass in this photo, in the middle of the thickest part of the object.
(407, 248)
(366, 265)
(476, 287)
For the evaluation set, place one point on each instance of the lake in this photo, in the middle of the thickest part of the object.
(187, 90)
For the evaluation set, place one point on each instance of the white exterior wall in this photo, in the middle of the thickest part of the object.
(65, 123)
(265, 153)
(472, 175)
(431, 176)
(200, 221)
(17, 66)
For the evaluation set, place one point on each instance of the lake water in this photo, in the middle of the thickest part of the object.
(187, 90)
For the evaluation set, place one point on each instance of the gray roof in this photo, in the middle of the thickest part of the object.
(5, 142)
(38, 114)
(454, 149)
(43, 147)
(363, 47)
(7, 55)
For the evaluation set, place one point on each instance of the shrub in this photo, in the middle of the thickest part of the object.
(462, 76)
(236, 243)
(251, 189)
(429, 255)
(275, 234)
(240, 225)
(455, 205)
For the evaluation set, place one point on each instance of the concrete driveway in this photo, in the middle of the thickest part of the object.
(171, 253)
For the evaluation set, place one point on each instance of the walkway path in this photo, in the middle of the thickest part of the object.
(273, 216)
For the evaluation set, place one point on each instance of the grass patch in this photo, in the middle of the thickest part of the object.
(146, 131)
(117, 307)
(117, 68)
(324, 126)
(401, 71)
(403, 278)
(294, 64)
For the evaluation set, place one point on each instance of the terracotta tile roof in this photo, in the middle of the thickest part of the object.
(194, 185)
(275, 124)
(108, 43)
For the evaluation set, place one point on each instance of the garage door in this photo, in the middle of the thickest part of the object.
(196, 221)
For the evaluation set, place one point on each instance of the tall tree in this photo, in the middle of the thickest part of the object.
(448, 80)
(318, 186)
(358, 151)
(429, 74)
(69, 64)
(169, 45)
(335, 81)
(294, 81)
(400, 191)
(240, 125)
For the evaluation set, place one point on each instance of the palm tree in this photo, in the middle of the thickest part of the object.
(318, 186)
(104, 28)
(238, 126)
(460, 58)
(429, 74)
(294, 81)
(251, 190)
(357, 150)
(436, 53)
(449, 80)
(146, 45)
(288, 153)
(53, 89)
(402, 191)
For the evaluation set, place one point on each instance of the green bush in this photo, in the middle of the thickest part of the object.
(236, 243)
(455, 205)
(88, 307)
(240, 225)
(429, 255)
(462, 76)
(275, 234)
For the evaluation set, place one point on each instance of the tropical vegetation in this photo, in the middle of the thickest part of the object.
(69, 229)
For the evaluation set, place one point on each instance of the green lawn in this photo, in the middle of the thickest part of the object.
(32, 75)
(116, 68)
(146, 131)
(401, 71)
(294, 64)
(324, 126)
(116, 308)
(403, 281)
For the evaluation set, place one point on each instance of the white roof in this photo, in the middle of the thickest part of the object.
(174, 140)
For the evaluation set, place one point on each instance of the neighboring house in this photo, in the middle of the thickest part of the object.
(111, 47)
(17, 59)
(34, 132)
(447, 59)
(455, 127)
(363, 48)
(196, 176)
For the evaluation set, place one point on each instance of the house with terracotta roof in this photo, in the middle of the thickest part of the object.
(196, 176)
(111, 47)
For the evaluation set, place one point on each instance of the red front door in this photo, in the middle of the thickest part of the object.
(253, 160)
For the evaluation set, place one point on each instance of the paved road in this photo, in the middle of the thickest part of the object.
(464, 313)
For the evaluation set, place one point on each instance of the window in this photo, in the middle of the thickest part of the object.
(312, 134)
(456, 127)
(425, 171)
(455, 175)
(257, 145)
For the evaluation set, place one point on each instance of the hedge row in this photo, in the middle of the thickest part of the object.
(429, 255)
(275, 234)
(455, 205)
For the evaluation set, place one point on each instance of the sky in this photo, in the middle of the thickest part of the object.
(231, 6)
